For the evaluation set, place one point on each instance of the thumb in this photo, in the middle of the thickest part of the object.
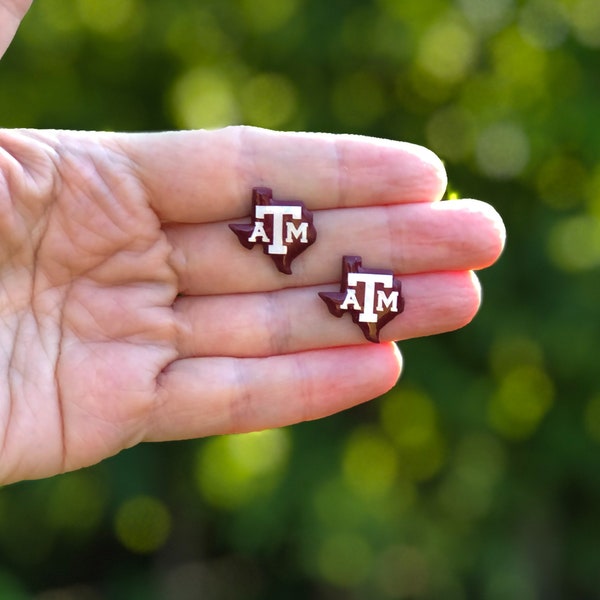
(11, 14)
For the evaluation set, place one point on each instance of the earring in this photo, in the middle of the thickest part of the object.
(373, 297)
(284, 228)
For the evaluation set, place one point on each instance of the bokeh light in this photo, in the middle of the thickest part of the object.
(502, 150)
(370, 462)
(451, 133)
(205, 97)
(233, 470)
(543, 23)
(574, 243)
(472, 480)
(266, 16)
(487, 17)
(585, 20)
(478, 475)
(409, 418)
(448, 49)
(268, 100)
(143, 524)
(522, 399)
(77, 503)
(111, 16)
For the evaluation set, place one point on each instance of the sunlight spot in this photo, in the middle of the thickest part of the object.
(450, 133)
(204, 98)
(266, 16)
(410, 419)
(510, 351)
(59, 15)
(143, 524)
(232, 470)
(370, 462)
(447, 50)
(520, 69)
(520, 402)
(543, 23)
(268, 100)
(585, 20)
(502, 150)
(487, 16)
(76, 503)
(469, 486)
(574, 243)
(109, 16)
(196, 35)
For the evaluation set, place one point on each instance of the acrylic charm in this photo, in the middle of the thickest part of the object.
(373, 297)
(284, 228)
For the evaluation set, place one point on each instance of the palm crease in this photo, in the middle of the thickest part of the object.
(100, 327)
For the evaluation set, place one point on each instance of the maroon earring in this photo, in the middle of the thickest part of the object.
(373, 297)
(284, 228)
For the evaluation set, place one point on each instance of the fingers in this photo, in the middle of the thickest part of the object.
(11, 13)
(202, 176)
(409, 238)
(208, 396)
(293, 320)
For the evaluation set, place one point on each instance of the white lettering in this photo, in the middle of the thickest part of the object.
(277, 212)
(383, 300)
(350, 299)
(259, 232)
(370, 280)
(294, 232)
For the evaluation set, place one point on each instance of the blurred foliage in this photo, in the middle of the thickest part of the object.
(479, 475)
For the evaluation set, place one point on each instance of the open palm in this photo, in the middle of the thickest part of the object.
(131, 313)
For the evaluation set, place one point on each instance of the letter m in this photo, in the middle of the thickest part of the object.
(390, 302)
(296, 232)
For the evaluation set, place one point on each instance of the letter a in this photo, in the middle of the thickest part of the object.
(351, 299)
(259, 231)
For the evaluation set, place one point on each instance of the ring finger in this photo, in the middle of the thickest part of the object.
(294, 320)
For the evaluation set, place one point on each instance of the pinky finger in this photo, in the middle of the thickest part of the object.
(198, 397)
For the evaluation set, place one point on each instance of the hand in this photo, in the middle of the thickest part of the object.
(130, 312)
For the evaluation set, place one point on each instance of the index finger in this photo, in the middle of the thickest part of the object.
(206, 176)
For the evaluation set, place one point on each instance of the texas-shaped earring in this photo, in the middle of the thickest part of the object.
(373, 297)
(284, 228)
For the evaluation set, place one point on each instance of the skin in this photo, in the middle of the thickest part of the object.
(131, 313)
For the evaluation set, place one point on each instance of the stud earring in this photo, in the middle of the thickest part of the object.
(284, 228)
(373, 297)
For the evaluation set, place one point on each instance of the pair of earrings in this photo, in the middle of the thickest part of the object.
(373, 297)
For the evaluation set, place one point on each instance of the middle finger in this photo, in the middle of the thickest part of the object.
(408, 238)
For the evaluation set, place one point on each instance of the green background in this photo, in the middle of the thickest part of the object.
(478, 476)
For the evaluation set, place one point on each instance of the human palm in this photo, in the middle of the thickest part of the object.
(131, 313)
(86, 303)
